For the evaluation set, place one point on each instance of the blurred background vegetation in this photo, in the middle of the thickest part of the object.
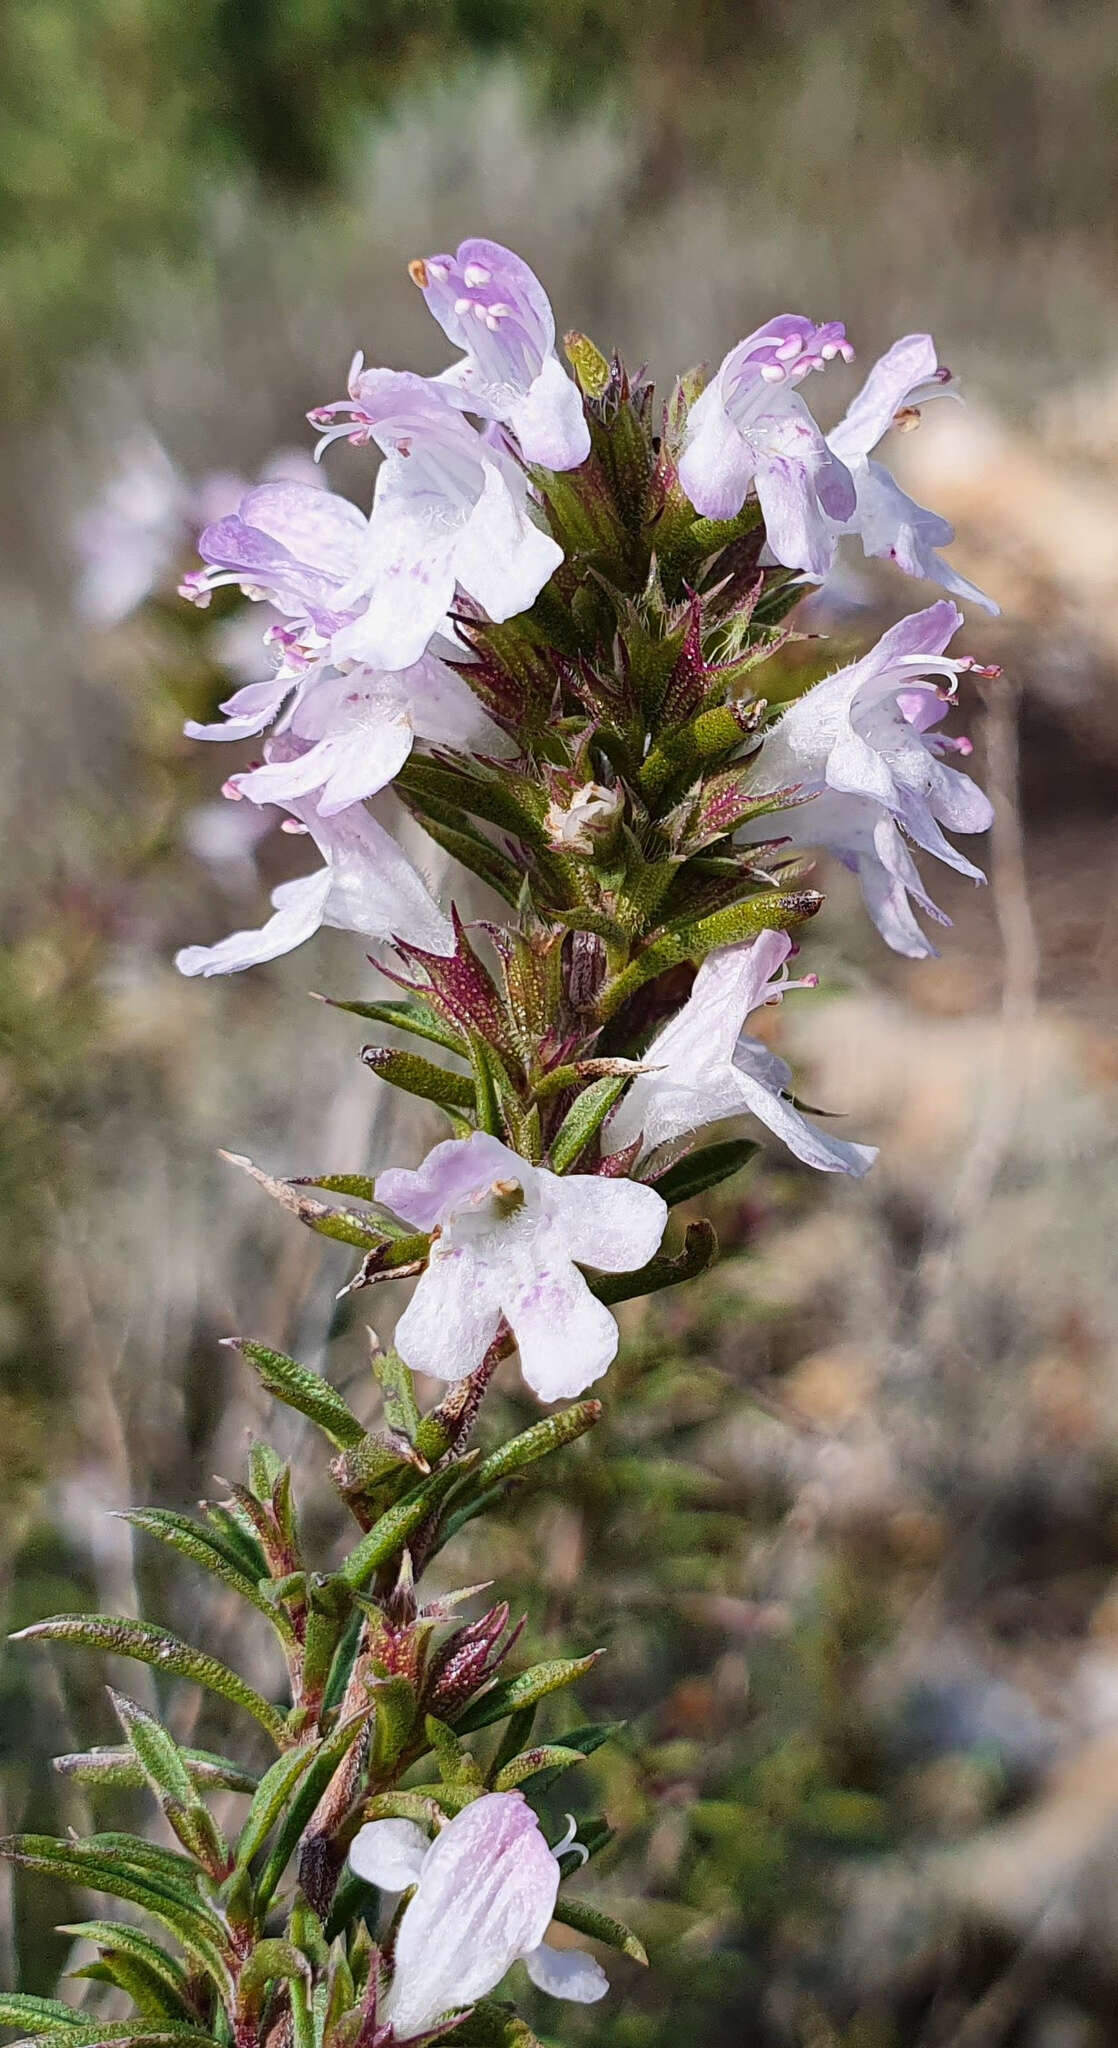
(850, 1532)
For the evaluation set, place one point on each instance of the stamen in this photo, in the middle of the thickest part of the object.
(462, 306)
(475, 276)
(773, 373)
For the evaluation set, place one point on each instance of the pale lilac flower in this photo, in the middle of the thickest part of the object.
(287, 542)
(489, 304)
(367, 885)
(750, 426)
(887, 521)
(704, 1067)
(485, 1894)
(450, 511)
(358, 729)
(129, 537)
(510, 1238)
(862, 744)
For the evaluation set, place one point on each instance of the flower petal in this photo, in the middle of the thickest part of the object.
(453, 1316)
(300, 908)
(501, 558)
(566, 1338)
(829, 1155)
(614, 1226)
(716, 467)
(549, 421)
(910, 362)
(389, 1854)
(450, 1171)
(567, 1973)
(486, 1895)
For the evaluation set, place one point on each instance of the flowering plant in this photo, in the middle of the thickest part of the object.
(548, 640)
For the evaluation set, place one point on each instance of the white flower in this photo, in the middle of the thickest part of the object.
(488, 302)
(485, 1893)
(862, 744)
(510, 1238)
(887, 521)
(750, 426)
(367, 885)
(703, 1066)
(450, 511)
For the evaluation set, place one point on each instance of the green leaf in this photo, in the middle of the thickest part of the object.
(389, 1535)
(141, 1640)
(585, 1740)
(81, 1864)
(38, 2015)
(180, 1533)
(417, 1076)
(271, 1961)
(588, 1919)
(238, 1537)
(166, 1772)
(395, 1703)
(121, 1766)
(272, 1794)
(451, 829)
(493, 2025)
(549, 1756)
(700, 1249)
(397, 1385)
(549, 1435)
(345, 1656)
(704, 1169)
(413, 1015)
(301, 1389)
(456, 1765)
(306, 1796)
(127, 2034)
(343, 1224)
(583, 1120)
(118, 1938)
(143, 1985)
(523, 1691)
(694, 938)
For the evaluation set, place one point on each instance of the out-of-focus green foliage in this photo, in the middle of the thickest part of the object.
(122, 122)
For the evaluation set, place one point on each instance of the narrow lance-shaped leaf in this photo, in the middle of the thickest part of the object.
(588, 1919)
(141, 1640)
(119, 1765)
(524, 1690)
(166, 1771)
(271, 1797)
(305, 1798)
(583, 1120)
(36, 2015)
(550, 1756)
(422, 1020)
(78, 1863)
(694, 938)
(704, 1169)
(549, 1435)
(391, 1532)
(401, 1410)
(700, 1249)
(179, 1533)
(418, 1076)
(301, 1389)
(343, 1224)
(123, 1939)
